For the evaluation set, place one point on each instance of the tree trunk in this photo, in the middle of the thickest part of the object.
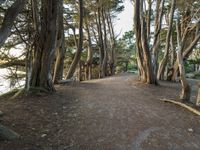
(113, 44)
(198, 96)
(144, 58)
(9, 19)
(186, 54)
(80, 43)
(89, 54)
(149, 20)
(100, 38)
(150, 77)
(104, 63)
(164, 61)
(60, 47)
(137, 27)
(44, 46)
(185, 91)
(156, 42)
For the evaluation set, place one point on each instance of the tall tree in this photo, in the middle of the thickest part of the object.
(185, 93)
(44, 46)
(144, 58)
(60, 47)
(163, 62)
(80, 43)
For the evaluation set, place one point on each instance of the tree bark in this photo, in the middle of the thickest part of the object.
(149, 20)
(60, 48)
(89, 54)
(100, 37)
(137, 28)
(113, 44)
(104, 64)
(198, 96)
(186, 54)
(156, 42)
(80, 43)
(163, 62)
(185, 91)
(44, 46)
(150, 77)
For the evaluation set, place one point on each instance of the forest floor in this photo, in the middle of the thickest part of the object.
(115, 113)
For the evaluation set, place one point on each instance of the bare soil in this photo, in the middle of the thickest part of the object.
(115, 113)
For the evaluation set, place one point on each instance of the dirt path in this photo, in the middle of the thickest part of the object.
(115, 113)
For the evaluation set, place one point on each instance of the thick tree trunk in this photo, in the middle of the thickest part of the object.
(150, 77)
(137, 27)
(9, 19)
(144, 58)
(77, 57)
(164, 61)
(60, 48)
(44, 46)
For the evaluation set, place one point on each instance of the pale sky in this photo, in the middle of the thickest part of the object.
(125, 21)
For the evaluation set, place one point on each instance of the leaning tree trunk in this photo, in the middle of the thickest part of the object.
(9, 19)
(60, 48)
(156, 39)
(44, 46)
(77, 57)
(164, 61)
(185, 90)
(187, 52)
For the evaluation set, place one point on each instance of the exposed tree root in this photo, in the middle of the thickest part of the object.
(17, 94)
(189, 108)
(38, 90)
(7, 134)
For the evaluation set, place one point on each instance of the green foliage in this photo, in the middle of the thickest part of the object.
(126, 56)
(197, 76)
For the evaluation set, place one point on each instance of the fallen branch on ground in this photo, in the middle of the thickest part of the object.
(189, 108)
(66, 81)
